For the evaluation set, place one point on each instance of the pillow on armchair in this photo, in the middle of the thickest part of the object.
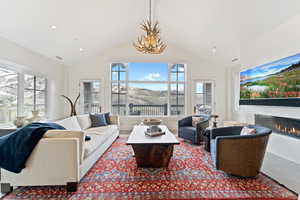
(196, 120)
(248, 131)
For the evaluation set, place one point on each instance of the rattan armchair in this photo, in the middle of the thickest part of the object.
(239, 155)
(190, 133)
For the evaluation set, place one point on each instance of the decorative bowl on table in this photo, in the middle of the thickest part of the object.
(152, 122)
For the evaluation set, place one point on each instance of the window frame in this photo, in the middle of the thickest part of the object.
(21, 71)
(168, 82)
(35, 90)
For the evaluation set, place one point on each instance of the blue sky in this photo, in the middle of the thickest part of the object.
(272, 67)
(148, 71)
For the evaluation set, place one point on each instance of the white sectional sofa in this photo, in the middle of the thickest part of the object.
(63, 157)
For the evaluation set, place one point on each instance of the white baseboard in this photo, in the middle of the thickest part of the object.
(284, 171)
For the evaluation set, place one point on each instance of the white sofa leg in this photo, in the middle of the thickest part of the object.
(5, 188)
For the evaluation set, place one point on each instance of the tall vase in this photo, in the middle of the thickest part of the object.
(35, 116)
(19, 121)
(72, 105)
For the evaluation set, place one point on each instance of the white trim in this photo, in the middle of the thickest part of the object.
(213, 82)
(81, 91)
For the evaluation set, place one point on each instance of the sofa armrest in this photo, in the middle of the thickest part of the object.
(114, 119)
(54, 161)
(69, 134)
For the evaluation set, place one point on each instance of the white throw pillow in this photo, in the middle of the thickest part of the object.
(70, 123)
(248, 131)
(196, 120)
(84, 121)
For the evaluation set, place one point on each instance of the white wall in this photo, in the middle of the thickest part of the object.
(279, 43)
(97, 67)
(21, 59)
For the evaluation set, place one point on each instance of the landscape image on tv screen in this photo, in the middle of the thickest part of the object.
(278, 79)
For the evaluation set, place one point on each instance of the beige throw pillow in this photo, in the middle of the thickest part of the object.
(248, 131)
(196, 120)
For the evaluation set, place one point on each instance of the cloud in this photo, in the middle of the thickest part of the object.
(152, 77)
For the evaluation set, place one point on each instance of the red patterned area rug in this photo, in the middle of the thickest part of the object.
(190, 175)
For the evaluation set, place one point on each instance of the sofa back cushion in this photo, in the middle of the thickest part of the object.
(84, 121)
(70, 123)
(69, 134)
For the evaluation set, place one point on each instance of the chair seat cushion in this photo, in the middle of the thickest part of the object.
(213, 150)
(188, 132)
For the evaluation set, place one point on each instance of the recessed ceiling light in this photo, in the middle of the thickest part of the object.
(58, 58)
(214, 50)
(234, 60)
(53, 27)
(81, 49)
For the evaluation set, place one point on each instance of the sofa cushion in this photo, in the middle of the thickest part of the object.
(110, 129)
(84, 121)
(69, 134)
(98, 120)
(70, 123)
(93, 144)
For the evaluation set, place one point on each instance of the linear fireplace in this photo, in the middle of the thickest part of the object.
(282, 125)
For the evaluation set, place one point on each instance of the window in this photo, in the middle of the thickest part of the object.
(19, 95)
(8, 96)
(147, 89)
(203, 97)
(90, 96)
(34, 94)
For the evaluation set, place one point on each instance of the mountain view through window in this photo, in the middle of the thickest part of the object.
(147, 89)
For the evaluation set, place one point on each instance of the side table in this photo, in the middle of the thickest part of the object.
(206, 138)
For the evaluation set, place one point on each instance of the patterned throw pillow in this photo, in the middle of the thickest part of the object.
(196, 120)
(98, 120)
(107, 118)
(248, 131)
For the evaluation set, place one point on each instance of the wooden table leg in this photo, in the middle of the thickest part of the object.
(153, 155)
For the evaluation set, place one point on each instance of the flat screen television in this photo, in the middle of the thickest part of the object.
(273, 84)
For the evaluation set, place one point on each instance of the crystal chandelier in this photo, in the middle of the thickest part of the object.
(151, 42)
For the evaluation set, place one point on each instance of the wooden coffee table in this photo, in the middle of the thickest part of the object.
(152, 152)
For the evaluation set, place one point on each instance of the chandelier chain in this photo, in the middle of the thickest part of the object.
(150, 11)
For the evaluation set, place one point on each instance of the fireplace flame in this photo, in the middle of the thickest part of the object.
(287, 130)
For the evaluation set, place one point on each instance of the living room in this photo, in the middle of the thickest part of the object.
(204, 48)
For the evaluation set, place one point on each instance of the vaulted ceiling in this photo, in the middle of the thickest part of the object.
(97, 25)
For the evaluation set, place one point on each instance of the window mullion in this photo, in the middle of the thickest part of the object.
(169, 89)
(126, 85)
(20, 95)
(34, 93)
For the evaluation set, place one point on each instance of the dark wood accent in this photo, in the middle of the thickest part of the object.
(290, 102)
(153, 155)
(6, 188)
(72, 186)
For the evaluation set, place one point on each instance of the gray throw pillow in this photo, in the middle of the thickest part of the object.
(98, 120)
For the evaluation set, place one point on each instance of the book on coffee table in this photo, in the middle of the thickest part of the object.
(152, 134)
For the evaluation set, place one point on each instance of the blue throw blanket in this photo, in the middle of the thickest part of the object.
(16, 147)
